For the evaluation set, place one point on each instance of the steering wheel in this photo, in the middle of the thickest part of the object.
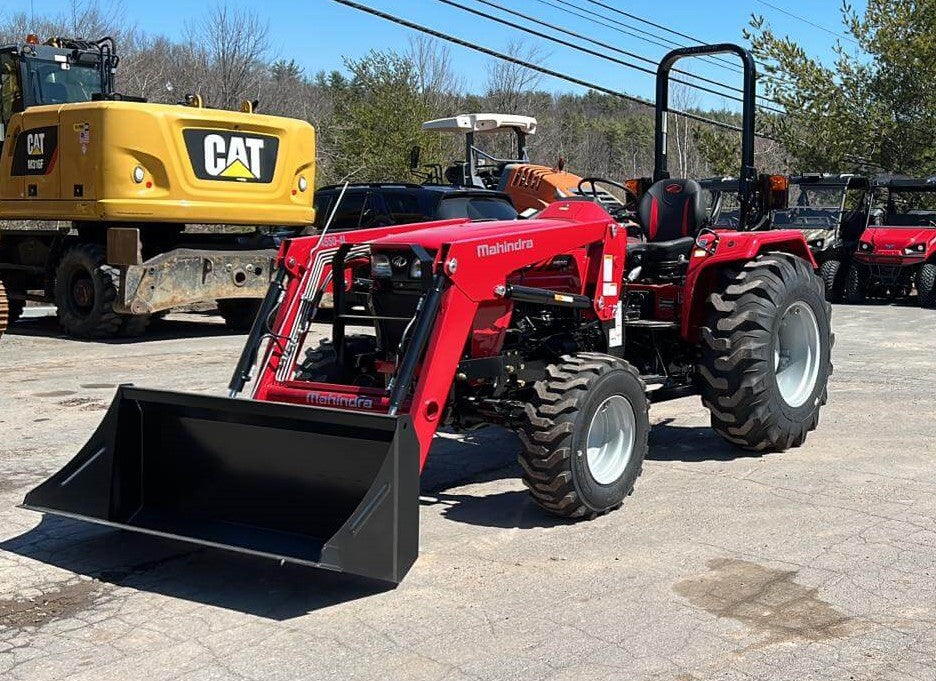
(594, 187)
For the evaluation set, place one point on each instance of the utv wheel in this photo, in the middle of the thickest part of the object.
(85, 291)
(584, 435)
(320, 364)
(766, 354)
(926, 285)
(856, 284)
(833, 273)
(239, 313)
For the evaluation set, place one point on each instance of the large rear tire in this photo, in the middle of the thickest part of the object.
(584, 435)
(926, 285)
(833, 273)
(856, 284)
(766, 354)
(85, 291)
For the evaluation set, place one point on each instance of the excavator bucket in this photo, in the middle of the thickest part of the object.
(323, 487)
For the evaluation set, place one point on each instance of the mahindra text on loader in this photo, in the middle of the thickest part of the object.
(555, 326)
(897, 250)
(128, 176)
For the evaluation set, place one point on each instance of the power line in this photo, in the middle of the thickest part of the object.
(807, 21)
(629, 30)
(600, 55)
(533, 67)
(604, 45)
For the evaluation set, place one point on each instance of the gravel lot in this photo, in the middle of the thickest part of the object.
(819, 563)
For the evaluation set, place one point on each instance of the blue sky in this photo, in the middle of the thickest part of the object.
(318, 33)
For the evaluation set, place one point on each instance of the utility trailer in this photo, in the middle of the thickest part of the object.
(560, 327)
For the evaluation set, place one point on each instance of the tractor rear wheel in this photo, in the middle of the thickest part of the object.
(239, 313)
(766, 354)
(833, 273)
(856, 284)
(85, 291)
(584, 435)
(926, 285)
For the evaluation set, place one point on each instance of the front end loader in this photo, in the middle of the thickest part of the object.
(559, 327)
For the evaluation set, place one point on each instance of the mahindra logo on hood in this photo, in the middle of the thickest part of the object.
(889, 247)
(227, 156)
(501, 247)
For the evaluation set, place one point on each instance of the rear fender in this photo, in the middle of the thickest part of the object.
(731, 248)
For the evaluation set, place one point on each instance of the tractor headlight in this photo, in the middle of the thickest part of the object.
(915, 249)
(415, 270)
(139, 174)
(303, 183)
(380, 266)
(865, 246)
(817, 244)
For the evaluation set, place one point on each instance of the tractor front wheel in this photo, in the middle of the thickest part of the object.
(584, 435)
(926, 285)
(85, 291)
(766, 355)
(856, 284)
(833, 273)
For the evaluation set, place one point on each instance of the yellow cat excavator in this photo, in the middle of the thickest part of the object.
(126, 177)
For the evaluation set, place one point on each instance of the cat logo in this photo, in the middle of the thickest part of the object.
(232, 157)
(236, 157)
(35, 143)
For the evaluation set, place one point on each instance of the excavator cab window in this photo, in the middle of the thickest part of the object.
(61, 82)
(11, 96)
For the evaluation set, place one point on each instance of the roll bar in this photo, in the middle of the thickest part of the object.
(748, 175)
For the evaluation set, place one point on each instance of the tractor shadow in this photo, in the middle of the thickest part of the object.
(267, 589)
(224, 579)
(692, 444)
(179, 327)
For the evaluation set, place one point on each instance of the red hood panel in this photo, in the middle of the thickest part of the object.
(897, 238)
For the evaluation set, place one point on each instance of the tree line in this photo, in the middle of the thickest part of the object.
(873, 108)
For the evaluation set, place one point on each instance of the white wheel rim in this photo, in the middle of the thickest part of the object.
(797, 351)
(610, 439)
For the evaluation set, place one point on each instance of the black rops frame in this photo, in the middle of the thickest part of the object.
(748, 177)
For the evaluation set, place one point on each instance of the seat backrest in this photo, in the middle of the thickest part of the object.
(672, 209)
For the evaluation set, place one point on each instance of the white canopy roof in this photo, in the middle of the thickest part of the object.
(482, 122)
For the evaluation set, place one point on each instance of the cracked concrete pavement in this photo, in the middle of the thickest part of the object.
(818, 563)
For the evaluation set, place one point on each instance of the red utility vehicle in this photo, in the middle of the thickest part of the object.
(897, 250)
(555, 326)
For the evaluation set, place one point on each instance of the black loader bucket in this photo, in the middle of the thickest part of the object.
(322, 487)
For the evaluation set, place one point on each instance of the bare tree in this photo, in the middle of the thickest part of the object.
(228, 50)
(509, 85)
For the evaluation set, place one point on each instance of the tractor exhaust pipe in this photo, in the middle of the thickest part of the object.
(322, 487)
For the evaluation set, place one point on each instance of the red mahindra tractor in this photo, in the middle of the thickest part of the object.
(558, 327)
(898, 247)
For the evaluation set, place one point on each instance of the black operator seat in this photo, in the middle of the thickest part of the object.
(671, 212)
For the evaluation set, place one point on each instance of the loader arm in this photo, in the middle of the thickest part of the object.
(474, 269)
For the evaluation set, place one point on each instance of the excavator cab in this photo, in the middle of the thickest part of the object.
(59, 71)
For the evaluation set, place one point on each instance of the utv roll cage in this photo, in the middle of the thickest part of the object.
(897, 184)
